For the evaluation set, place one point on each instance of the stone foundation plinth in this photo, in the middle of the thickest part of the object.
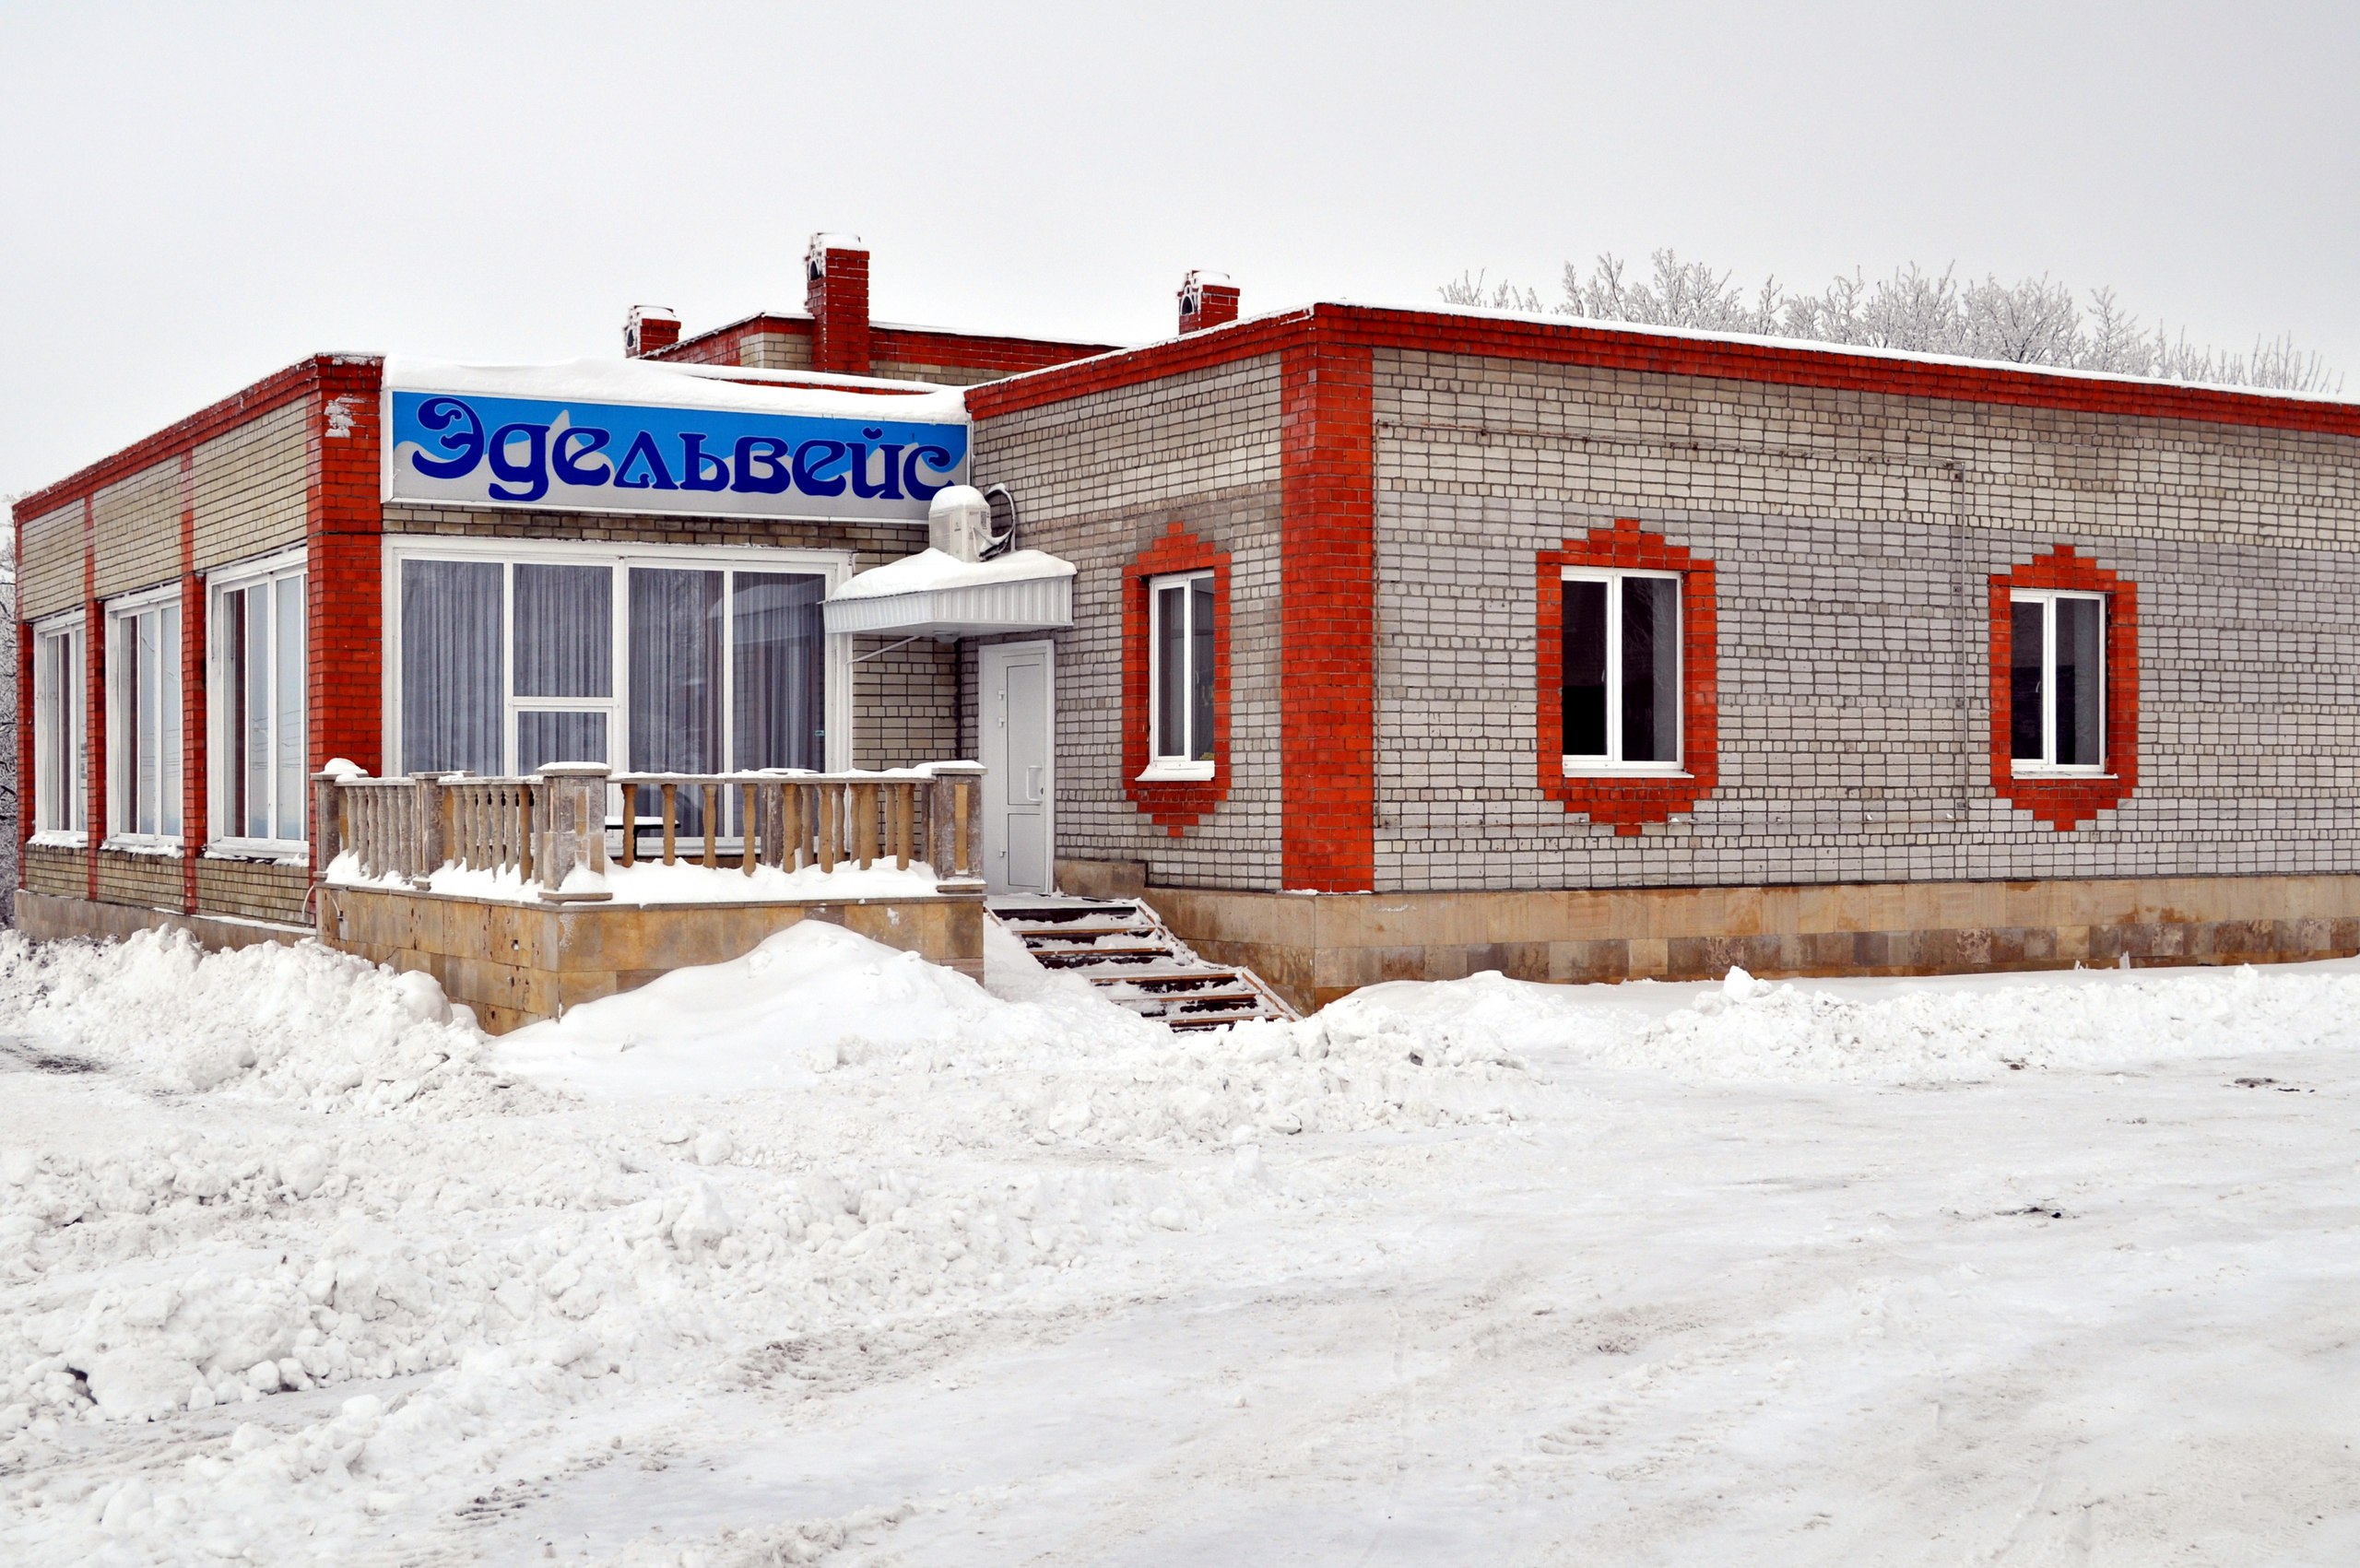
(1317, 947)
(46, 916)
(516, 964)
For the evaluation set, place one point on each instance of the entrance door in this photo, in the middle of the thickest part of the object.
(1017, 692)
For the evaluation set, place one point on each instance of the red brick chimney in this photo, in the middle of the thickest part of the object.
(835, 284)
(1207, 299)
(648, 328)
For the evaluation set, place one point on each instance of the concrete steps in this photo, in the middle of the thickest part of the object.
(1122, 947)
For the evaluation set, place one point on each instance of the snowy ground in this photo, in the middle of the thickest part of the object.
(830, 1255)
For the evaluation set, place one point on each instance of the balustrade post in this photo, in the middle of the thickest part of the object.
(571, 862)
(327, 817)
(959, 803)
(428, 852)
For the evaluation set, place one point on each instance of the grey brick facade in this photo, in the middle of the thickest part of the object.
(1854, 535)
(1099, 478)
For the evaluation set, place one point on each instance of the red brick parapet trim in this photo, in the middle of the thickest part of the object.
(1172, 803)
(2066, 803)
(274, 391)
(913, 344)
(1630, 803)
(1657, 353)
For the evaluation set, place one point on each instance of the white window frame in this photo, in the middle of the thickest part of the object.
(62, 721)
(833, 566)
(1608, 763)
(1182, 769)
(2042, 768)
(220, 583)
(121, 678)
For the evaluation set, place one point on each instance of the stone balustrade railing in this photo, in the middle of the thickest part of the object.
(562, 829)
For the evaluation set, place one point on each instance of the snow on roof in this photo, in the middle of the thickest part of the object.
(1818, 346)
(667, 384)
(932, 569)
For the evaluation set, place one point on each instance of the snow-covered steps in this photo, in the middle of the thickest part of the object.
(1122, 947)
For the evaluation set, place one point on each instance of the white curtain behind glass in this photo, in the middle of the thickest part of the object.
(452, 700)
(286, 719)
(564, 647)
(565, 631)
(676, 678)
(779, 678)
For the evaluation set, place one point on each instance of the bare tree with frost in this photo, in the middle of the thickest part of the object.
(2035, 320)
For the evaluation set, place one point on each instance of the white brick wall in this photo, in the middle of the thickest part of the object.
(1097, 480)
(1854, 538)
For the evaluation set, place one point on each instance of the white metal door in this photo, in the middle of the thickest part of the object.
(1018, 695)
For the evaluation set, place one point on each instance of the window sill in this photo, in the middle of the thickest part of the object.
(282, 852)
(59, 838)
(2096, 775)
(142, 844)
(1177, 771)
(1576, 770)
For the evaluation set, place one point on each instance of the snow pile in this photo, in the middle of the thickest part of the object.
(303, 1258)
(1046, 1060)
(298, 1023)
(1964, 1028)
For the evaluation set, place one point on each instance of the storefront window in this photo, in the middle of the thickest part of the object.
(646, 666)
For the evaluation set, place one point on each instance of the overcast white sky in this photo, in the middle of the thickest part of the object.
(195, 196)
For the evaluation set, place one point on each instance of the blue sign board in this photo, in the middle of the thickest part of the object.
(469, 449)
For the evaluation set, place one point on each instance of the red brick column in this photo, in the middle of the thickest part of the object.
(195, 824)
(343, 595)
(94, 734)
(1328, 637)
(26, 738)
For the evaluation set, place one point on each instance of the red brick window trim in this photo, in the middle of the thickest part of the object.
(1629, 800)
(2065, 801)
(1174, 805)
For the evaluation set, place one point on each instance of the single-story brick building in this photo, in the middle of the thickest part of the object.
(1400, 643)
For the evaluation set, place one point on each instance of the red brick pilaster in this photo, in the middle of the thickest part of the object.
(26, 738)
(195, 827)
(344, 569)
(94, 673)
(1627, 803)
(2066, 803)
(1172, 803)
(1328, 637)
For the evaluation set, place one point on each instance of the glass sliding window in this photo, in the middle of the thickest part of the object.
(1620, 683)
(261, 753)
(144, 720)
(645, 666)
(2057, 682)
(1180, 680)
(778, 670)
(676, 708)
(561, 668)
(60, 713)
(452, 688)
